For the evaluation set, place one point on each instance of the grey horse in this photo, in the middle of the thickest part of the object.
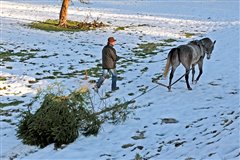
(189, 55)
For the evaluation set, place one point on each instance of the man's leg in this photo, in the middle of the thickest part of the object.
(114, 79)
(102, 78)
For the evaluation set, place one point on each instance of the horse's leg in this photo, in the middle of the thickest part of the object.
(175, 62)
(200, 65)
(186, 78)
(193, 72)
(171, 77)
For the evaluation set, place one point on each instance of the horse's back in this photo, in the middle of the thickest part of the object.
(185, 51)
(189, 54)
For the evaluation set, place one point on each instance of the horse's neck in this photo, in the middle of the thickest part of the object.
(202, 44)
(202, 51)
(197, 46)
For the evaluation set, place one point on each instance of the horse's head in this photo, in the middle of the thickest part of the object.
(208, 46)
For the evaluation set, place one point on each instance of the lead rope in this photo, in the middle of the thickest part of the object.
(180, 78)
(132, 100)
(158, 83)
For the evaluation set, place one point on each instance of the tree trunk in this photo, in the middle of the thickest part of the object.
(63, 13)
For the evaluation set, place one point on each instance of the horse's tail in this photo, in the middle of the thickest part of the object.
(168, 64)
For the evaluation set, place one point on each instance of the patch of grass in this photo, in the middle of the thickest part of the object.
(47, 56)
(120, 71)
(148, 49)
(169, 120)
(8, 112)
(9, 54)
(119, 78)
(9, 67)
(7, 120)
(138, 157)
(71, 67)
(75, 26)
(95, 71)
(143, 89)
(127, 145)
(120, 28)
(49, 77)
(157, 77)
(131, 94)
(140, 136)
(92, 72)
(144, 70)
(55, 73)
(69, 75)
(189, 35)
(5, 113)
(3, 78)
(5, 56)
(36, 50)
(170, 40)
(38, 74)
(14, 103)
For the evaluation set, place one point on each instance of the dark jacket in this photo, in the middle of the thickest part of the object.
(109, 57)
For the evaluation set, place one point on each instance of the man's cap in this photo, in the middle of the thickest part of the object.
(111, 39)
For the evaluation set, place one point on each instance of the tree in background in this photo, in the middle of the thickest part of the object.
(64, 10)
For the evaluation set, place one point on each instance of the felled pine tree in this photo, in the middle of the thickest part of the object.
(59, 120)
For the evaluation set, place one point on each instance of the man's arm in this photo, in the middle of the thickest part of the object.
(113, 54)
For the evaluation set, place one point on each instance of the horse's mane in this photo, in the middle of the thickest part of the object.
(195, 42)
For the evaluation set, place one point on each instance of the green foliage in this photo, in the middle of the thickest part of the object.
(53, 122)
(59, 120)
(116, 113)
(52, 25)
(89, 123)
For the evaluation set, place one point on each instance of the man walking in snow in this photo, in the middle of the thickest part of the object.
(109, 59)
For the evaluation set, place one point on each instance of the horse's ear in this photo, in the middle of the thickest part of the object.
(214, 42)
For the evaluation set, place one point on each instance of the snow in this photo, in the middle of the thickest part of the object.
(208, 116)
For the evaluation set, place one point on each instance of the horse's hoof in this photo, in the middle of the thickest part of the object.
(189, 88)
(194, 82)
(169, 89)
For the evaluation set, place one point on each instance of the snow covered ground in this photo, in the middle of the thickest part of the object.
(207, 118)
